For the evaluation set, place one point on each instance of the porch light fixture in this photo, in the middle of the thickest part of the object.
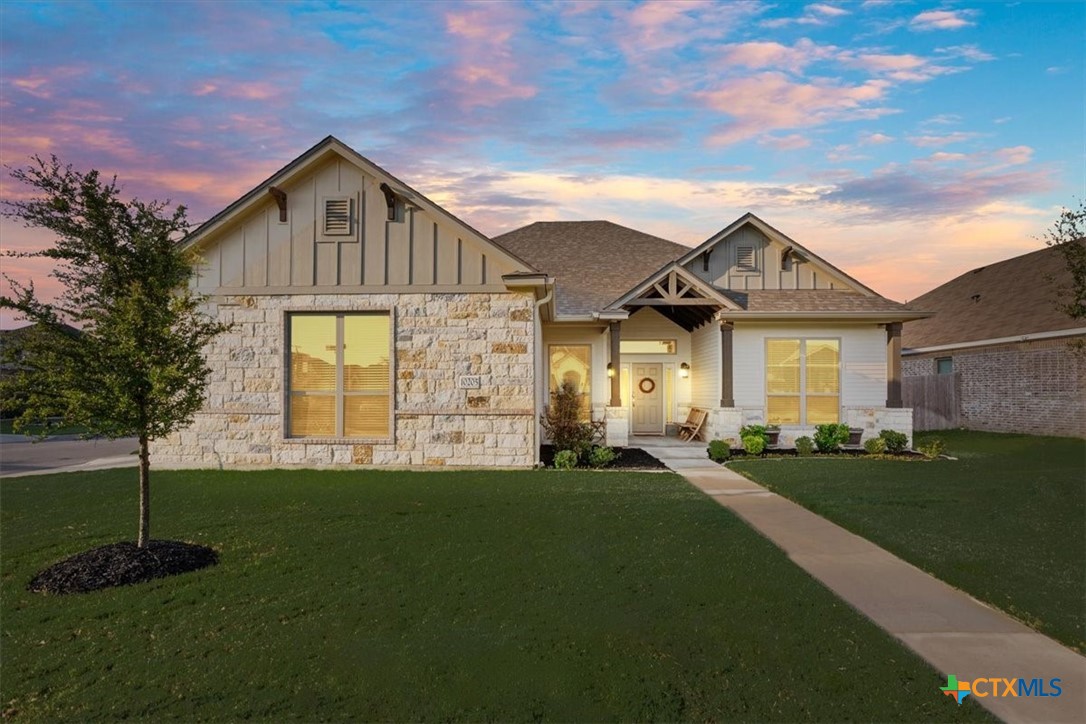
(684, 370)
(610, 369)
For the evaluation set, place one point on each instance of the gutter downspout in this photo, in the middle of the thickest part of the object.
(537, 363)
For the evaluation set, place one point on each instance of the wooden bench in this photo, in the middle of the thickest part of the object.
(695, 420)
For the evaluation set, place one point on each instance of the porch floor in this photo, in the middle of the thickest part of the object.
(647, 441)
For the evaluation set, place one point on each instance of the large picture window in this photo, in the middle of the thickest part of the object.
(803, 381)
(339, 375)
(573, 363)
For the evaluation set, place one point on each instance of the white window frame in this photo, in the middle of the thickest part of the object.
(339, 393)
(803, 377)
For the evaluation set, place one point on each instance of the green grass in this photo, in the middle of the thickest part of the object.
(1006, 522)
(7, 427)
(410, 596)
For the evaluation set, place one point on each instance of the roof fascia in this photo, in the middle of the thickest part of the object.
(907, 316)
(780, 237)
(1055, 334)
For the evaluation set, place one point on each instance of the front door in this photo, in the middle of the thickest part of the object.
(647, 399)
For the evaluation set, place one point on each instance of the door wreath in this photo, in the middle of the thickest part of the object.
(646, 385)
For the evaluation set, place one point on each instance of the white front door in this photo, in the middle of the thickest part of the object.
(647, 398)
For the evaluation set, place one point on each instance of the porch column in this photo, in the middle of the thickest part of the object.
(616, 381)
(727, 393)
(893, 365)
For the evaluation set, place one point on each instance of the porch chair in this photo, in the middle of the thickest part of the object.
(695, 420)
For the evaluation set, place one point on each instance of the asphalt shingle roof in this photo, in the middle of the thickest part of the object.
(1006, 299)
(593, 262)
(814, 300)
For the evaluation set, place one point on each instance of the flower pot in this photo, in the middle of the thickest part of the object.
(772, 436)
(854, 435)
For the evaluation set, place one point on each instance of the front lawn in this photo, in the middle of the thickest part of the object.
(1006, 522)
(422, 596)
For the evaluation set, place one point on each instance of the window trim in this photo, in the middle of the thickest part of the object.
(755, 258)
(944, 359)
(588, 376)
(353, 221)
(339, 313)
(803, 377)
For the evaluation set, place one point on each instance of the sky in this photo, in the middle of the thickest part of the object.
(905, 142)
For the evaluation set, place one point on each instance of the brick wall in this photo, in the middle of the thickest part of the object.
(1036, 387)
(437, 338)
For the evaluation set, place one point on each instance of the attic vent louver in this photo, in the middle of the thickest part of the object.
(744, 258)
(337, 216)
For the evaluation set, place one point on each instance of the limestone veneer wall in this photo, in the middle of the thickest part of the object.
(437, 338)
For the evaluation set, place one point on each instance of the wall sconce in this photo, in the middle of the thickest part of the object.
(610, 369)
(684, 370)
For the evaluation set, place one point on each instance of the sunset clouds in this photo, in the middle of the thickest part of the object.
(904, 141)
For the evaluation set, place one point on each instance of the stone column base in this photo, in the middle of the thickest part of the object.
(875, 419)
(617, 429)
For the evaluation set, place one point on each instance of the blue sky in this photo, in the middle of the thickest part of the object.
(906, 142)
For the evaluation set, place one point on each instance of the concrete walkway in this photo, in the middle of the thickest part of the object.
(946, 627)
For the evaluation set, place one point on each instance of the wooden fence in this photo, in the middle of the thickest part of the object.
(934, 399)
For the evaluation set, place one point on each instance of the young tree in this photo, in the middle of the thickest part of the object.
(1067, 235)
(138, 368)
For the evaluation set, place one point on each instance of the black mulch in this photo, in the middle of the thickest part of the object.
(629, 458)
(122, 564)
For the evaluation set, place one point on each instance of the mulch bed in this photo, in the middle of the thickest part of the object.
(629, 458)
(122, 564)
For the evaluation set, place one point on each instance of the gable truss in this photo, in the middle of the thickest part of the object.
(678, 295)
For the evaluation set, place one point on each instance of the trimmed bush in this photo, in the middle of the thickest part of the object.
(565, 460)
(804, 446)
(563, 424)
(830, 436)
(896, 442)
(931, 447)
(719, 450)
(602, 456)
(754, 444)
(875, 446)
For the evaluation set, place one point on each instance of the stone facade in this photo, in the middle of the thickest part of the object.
(1035, 387)
(436, 337)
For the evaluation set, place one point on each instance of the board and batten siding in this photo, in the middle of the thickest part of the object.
(705, 366)
(258, 253)
(724, 271)
(863, 361)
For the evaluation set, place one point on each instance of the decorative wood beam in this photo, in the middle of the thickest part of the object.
(616, 366)
(657, 287)
(727, 392)
(673, 302)
(684, 290)
(390, 200)
(280, 197)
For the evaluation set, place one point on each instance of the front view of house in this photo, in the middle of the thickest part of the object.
(371, 327)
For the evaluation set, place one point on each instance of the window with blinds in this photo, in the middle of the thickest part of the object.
(339, 375)
(803, 381)
(573, 363)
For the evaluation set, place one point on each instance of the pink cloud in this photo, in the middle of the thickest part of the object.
(946, 139)
(942, 20)
(786, 143)
(770, 101)
(828, 10)
(765, 54)
(486, 65)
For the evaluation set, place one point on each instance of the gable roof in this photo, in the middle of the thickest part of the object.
(313, 157)
(1010, 298)
(593, 262)
(780, 237)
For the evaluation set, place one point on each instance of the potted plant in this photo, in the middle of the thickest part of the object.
(772, 435)
(854, 435)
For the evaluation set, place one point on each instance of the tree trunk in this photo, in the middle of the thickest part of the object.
(145, 493)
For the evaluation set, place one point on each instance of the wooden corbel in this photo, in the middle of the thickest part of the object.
(280, 197)
(390, 200)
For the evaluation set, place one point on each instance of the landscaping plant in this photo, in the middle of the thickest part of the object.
(875, 446)
(896, 442)
(753, 430)
(137, 367)
(563, 422)
(565, 460)
(719, 450)
(830, 436)
(601, 456)
(931, 447)
(804, 446)
(754, 444)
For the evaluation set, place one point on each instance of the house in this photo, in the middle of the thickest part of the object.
(372, 327)
(998, 329)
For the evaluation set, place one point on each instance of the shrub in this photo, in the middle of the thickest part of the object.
(830, 436)
(719, 451)
(602, 456)
(896, 442)
(804, 446)
(931, 447)
(565, 460)
(754, 444)
(755, 431)
(563, 424)
(875, 446)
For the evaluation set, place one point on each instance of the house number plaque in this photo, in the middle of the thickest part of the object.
(470, 382)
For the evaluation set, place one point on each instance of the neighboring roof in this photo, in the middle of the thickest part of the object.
(817, 301)
(593, 262)
(1010, 298)
(316, 154)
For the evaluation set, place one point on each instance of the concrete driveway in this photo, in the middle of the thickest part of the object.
(21, 456)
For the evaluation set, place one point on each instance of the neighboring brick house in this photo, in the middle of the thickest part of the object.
(372, 327)
(998, 329)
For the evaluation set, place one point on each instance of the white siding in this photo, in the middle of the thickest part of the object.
(649, 324)
(705, 366)
(863, 361)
